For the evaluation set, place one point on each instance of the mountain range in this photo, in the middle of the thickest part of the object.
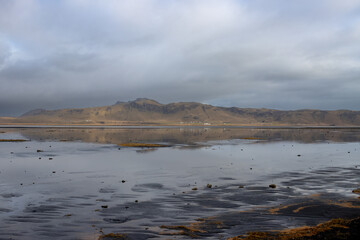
(144, 111)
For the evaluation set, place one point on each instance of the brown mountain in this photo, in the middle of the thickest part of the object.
(149, 112)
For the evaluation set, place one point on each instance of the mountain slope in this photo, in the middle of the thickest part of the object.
(147, 111)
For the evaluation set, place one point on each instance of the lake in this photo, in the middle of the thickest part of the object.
(206, 183)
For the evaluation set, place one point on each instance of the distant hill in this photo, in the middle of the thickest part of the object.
(150, 112)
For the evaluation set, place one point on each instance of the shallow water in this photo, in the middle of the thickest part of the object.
(82, 183)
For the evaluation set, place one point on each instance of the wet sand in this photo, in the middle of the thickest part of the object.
(80, 184)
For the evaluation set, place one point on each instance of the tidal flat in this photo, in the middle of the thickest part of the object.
(207, 183)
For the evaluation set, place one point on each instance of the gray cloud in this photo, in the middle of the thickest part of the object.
(274, 54)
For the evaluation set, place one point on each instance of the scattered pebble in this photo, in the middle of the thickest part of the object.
(209, 186)
(104, 206)
(272, 186)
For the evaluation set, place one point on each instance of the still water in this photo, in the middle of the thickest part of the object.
(71, 183)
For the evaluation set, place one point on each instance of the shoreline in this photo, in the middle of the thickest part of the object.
(2, 125)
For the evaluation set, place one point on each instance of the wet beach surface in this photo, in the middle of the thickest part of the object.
(212, 183)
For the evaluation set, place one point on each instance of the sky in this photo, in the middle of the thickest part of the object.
(279, 54)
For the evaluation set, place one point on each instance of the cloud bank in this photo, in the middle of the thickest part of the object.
(259, 53)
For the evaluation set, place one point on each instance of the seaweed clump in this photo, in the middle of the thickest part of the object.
(335, 229)
(113, 236)
(147, 145)
(357, 191)
(184, 230)
(13, 140)
(195, 230)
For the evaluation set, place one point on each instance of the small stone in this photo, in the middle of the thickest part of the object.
(123, 181)
(272, 186)
(241, 186)
(209, 186)
(53, 171)
(299, 155)
(50, 158)
(104, 206)
(194, 189)
(39, 150)
(136, 201)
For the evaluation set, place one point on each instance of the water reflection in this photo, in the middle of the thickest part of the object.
(190, 135)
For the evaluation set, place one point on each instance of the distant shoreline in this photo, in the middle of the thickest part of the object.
(173, 126)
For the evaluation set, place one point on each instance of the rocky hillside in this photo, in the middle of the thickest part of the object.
(147, 112)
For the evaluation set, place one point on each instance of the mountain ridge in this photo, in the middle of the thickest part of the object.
(143, 111)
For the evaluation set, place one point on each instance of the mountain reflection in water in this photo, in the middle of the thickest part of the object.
(189, 136)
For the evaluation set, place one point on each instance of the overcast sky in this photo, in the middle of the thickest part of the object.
(248, 53)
